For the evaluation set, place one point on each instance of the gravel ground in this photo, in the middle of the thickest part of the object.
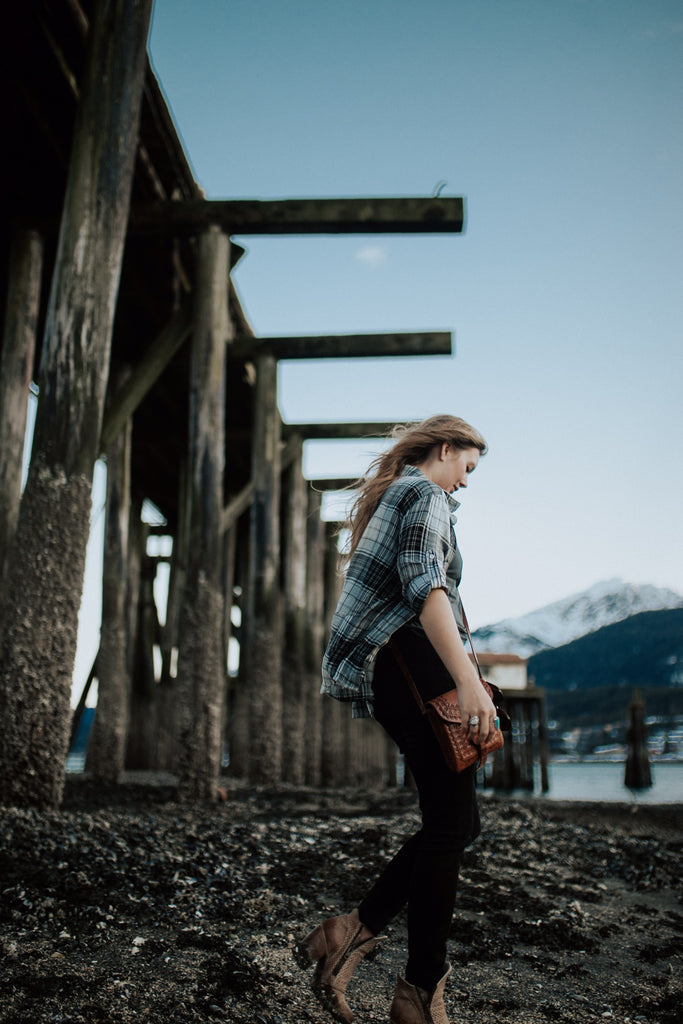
(127, 906)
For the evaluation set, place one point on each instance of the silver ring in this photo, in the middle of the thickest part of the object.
(474, 720)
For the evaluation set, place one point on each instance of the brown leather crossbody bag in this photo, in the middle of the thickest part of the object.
(445, 718)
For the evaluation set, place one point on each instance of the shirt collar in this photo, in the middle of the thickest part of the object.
(453, 503)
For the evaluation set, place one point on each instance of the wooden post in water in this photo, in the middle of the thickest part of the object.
(202, 671)
(46, 571)
(16, 372)
(265, 608)
(107, 746)
(543, 754)
(637, 775)
(295, 510)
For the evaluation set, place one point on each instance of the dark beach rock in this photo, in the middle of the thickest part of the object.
(127, 906)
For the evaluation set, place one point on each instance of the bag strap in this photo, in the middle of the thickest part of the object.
(469, 637)
(401, 662)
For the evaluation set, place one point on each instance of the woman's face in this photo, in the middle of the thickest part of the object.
(453, 466)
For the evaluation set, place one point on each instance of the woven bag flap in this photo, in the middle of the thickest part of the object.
(446, 707)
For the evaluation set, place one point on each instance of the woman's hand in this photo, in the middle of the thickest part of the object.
(438, 623)
(477, 709)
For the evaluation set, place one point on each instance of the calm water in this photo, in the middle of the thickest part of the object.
(605, 781)
(585, 781)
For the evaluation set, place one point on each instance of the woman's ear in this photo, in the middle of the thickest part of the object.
(444, 450)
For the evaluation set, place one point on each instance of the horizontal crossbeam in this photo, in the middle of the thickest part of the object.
(402, 215)
(336, 431)
(344, 346)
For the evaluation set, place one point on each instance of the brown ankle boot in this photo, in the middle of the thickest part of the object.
(413, 1005)
(336, 946)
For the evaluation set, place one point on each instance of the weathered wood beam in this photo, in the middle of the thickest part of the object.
(202, 674)
(346, 346)
(295, 613)
(38, 643)
(382, 215)
(107, 745)
(145, 375)
(16, 370)
(314, 636)
(264, 634)
(334, 483)
(237, 506)
(336, 431)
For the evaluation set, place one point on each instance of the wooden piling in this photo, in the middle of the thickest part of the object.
(526, 746)
(637, 774)
(16, 372)
(264, 639)
(238, 687)
(202, 671)
(166, 701)
(107, 745)
(144, 633)
(295, 510)
(336, 757)
(314, 636)
(46, 569)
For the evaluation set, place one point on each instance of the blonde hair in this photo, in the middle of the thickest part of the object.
(414, 442)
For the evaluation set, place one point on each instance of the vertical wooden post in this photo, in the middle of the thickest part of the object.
(238, 720)
(202, 671)
(229, 569)
(265, 618)
(315, 631)
(144, 630)
(176, 581)
(293, 671)
(16, 371)
(637, 774)
(527, 780)
(46, 569)
(335, 715)
(543, 742)
(107, 745)
(509, 772)
(167, 691)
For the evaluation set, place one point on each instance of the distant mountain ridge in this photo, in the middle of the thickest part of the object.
(561, 622)
(642, 651)
(590, 682)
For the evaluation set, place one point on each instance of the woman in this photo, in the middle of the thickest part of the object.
(401, 585)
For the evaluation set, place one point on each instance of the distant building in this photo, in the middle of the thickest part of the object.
(507, 671)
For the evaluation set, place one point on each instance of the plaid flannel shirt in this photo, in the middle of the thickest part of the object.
(403, 554)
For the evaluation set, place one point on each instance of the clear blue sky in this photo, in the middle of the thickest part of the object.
(560, 122)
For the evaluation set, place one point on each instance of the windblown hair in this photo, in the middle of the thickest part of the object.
(413, 445)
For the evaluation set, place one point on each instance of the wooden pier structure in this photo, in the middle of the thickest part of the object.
(120, 312)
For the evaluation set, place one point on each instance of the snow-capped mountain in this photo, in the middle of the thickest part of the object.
(563, 621)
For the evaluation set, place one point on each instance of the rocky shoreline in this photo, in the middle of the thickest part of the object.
(127, 906)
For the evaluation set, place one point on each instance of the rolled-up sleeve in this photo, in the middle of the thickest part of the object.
(424, 550)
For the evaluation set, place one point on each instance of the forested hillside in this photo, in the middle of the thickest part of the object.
(644, 651)
(592, 680)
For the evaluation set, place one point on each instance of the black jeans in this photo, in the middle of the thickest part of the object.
(424, 872)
